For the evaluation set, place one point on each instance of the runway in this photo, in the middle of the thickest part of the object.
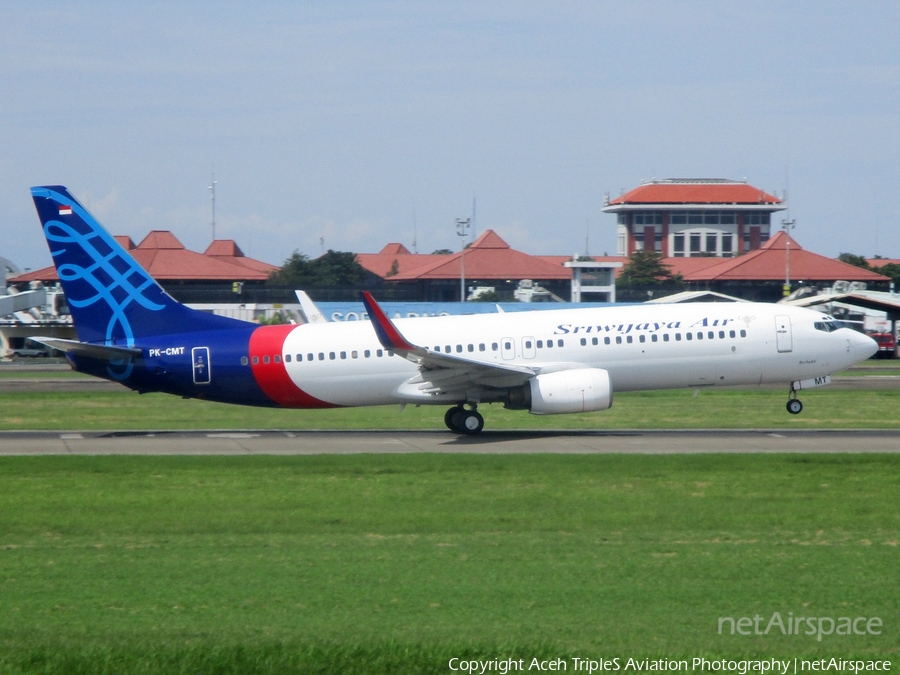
(19, 443)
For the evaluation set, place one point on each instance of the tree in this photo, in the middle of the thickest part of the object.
(891, 270)
(442, 251)
(487, 296)
(334, 268)
(855, 260)
(646, 268)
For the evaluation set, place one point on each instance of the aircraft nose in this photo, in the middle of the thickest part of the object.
(862, 346)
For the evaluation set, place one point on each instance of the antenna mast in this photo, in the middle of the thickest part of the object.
(212, 189)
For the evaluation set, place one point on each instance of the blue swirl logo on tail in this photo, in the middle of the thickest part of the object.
(97, 273)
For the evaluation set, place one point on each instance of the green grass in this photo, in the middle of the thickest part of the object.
(678, 409)
(397, 563)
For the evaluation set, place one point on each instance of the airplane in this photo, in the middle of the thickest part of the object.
(546, 362)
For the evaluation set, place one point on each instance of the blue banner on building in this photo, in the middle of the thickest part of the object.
(354, 311)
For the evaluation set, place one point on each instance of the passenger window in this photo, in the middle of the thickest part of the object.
(367, 353)
(287, 358)
(481, 347)
(331, 355)
(447, 349)
(265, 359)
(677, 337)
(310, 357)
(299, 357)
(642, 338)
(549, 344)
(731, 333)
(743, 333)
(559, 343)
(699, 335)
(688, 336)
(508, 345)
(540, 344)
(629, 339)
(244, 361)
(471, 348)
(594, 341)
(390, 353)
(278, 358)
(721, 334)
(710, 335)
(494, 346)
(343, 355)
(583, 342)
(654, 338)
(458, 348)
(618, 339)
(665, 337)
(321, 356)
(606, 340)
(354, 354)
(379, 353)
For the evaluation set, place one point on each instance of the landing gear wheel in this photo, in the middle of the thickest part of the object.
(794, 406)
(452, 418)
(471, 422)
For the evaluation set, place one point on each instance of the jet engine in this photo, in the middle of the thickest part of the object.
(565, 391)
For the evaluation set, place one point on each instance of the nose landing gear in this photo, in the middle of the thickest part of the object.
(462, 421)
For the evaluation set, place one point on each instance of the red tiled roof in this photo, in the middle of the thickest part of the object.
(489, 257)
(227, 250)
(166, 259)
(224, 247)
(395, 249)
(700, 192)
(125, 241)
(768, 264)
(382, 263)
(160, 239)
(878, 262)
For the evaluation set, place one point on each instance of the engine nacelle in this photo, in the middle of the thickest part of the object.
(565, 391)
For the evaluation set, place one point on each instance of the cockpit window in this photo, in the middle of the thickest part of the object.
(827, 326)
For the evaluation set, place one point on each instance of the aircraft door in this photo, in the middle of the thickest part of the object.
(784, 340)
(508, 348)
(200, 359)
(528, 350)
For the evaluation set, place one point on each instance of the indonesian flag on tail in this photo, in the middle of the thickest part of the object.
(65, 210)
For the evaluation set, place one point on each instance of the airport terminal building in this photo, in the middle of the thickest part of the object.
(694, 217)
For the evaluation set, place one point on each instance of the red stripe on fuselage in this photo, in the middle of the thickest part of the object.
(267, 342)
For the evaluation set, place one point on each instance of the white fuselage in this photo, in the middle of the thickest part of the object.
(643, 347)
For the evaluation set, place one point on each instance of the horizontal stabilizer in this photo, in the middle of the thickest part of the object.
(85, 349)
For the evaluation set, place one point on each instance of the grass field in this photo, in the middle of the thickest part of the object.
(398, 563)
(678, 409)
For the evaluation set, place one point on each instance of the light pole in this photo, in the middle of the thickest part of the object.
(787, 226)
(462, 229)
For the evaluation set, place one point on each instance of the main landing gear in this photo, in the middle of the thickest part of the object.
(462, 421)
(794, 406)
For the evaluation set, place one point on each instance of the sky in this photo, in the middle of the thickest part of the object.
(348, 125)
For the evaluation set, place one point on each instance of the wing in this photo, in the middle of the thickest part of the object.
(443, 375)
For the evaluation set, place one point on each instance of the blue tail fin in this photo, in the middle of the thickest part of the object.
(113, 300)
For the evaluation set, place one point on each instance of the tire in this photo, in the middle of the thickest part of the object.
(471, 422)
(794, 406)
(451, 418)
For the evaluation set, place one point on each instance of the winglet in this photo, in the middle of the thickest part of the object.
(311, 313)
(388, 335)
